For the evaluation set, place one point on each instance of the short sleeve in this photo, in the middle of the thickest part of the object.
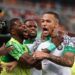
(18, 50)
(69, 49)
(51, 47)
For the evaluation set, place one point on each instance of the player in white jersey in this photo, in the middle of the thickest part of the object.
(59, 60)
(32, 42)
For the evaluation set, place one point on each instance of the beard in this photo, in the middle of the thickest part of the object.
(21, 36)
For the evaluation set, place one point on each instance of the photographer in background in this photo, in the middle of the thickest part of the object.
(4, 17)
(4, 33)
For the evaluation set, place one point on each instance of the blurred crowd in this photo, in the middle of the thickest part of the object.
(37, 37)
(14, 8)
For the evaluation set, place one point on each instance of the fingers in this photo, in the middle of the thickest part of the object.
(3, 46)
(10, 49)
(10, 66)
(39, 55)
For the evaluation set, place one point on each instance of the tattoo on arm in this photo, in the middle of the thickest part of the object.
(65, 60)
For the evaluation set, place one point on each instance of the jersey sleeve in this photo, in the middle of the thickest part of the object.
(18, 50)
(51, 47)
(69, 49)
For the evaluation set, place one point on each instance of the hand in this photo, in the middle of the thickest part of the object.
(39, 55)
(10, 66)
(5, 50)
(3, 47)
(9, 48)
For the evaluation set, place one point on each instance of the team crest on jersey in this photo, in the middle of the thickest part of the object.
(60, 47)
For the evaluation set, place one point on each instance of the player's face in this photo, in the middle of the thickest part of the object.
(48, 22)
(19, 27)
(32, 28)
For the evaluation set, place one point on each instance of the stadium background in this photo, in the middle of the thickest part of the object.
(25, 8)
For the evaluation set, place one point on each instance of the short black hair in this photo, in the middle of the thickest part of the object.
(62, 19)
(28, 20)
(12, 23)
(53, 13)
(57, 16)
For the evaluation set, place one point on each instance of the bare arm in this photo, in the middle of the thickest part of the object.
(66, 60)
(27, 59)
